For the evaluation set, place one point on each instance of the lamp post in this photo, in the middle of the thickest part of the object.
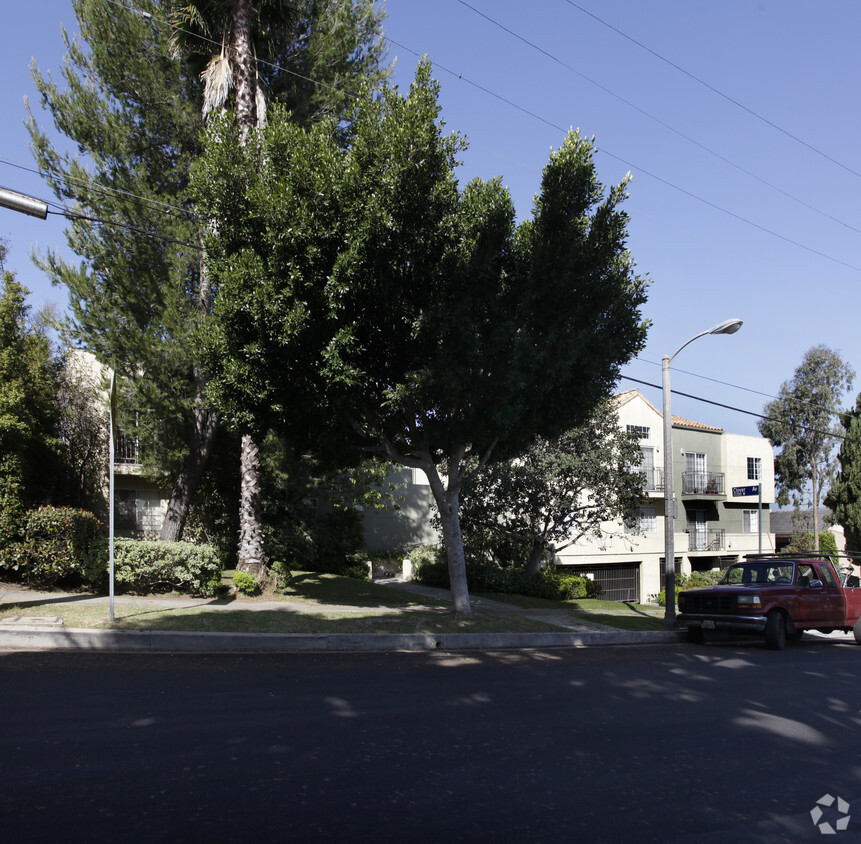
(729, 326)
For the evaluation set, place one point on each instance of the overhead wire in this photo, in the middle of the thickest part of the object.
(155, 204)
(715, 90)
(632, 166)
(740, 410)
(657, 120)
(534, 115)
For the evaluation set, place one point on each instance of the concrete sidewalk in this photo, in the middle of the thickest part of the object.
(48, 633)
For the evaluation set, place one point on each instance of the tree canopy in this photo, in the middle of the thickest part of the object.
(131, 103)
(844, 497)
(801, 423)
(558, 491)
(364, 291)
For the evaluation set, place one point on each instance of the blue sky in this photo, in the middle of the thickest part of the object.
(738, 121)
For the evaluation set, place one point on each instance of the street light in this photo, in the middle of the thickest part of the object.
(729, 326)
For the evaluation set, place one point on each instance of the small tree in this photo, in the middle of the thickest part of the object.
(844, 497)
(30, 450)
(800, 423)
(365, 291)
(558, 491)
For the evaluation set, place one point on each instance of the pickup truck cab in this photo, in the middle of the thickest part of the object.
(778, 598)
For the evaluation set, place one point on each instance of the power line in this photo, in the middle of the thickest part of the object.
(512, 104)
(741, 410)
(714, 90)
(630, 164)
(156, 204)
(657, 120)
(73, 215)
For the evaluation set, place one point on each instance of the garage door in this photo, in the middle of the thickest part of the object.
(620, 581)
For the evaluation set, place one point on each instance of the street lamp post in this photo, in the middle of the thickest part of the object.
(729, 326)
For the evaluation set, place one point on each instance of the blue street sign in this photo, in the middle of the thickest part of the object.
(745, 490)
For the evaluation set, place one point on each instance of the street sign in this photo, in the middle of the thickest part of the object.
(738, 491)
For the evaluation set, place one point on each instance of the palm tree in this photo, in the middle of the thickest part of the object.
(354, 56)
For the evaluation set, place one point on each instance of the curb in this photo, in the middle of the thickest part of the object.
(32, 638)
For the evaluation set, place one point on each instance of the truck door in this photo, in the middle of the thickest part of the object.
(831, 597)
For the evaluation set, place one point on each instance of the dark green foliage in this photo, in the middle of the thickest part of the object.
(144, 567)
(844, 497)
(130, 107)
(312, 541)
(59, 547)
(522, 512)
(486, 577)
(31, 458)
(364, 293)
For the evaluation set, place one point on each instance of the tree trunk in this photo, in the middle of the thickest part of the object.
(204, 427)
(252, 557)
(448, 503)
(536, 556)
(199, 450)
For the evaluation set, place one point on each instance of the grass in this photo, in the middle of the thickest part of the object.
(319, 603)
(611, 613)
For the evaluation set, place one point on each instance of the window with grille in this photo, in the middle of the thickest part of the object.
(754, 468)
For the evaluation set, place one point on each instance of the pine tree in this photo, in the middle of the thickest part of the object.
(133, 105)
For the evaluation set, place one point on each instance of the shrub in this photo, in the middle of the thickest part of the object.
(59, 547)
(694, 580)
(246, 583)
(145, 566)
(487, 577)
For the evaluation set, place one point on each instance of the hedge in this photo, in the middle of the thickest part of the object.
(164, 566)
(486, 577)
(59, 547)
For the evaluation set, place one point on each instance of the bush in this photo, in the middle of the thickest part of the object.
(487, 577)
(59, 548)
(694, 580)
(145, 566)
(246, 583)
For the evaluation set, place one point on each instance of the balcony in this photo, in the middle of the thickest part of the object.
(707, 540)
(705, 484)
(126, 450)
(654, 478)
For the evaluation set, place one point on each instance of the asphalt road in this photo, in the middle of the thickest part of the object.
(660, 743)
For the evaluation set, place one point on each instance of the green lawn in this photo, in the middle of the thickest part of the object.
(319, 603)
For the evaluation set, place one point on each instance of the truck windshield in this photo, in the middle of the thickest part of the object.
(763, 573)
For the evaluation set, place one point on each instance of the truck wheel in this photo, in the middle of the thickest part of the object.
(857, 631)
(775, 631)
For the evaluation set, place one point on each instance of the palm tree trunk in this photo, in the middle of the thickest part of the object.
(252, 555)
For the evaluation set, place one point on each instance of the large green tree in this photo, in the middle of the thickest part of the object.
(365, 288)
(30, 449)
(557, 491)
(132, 105)
(802, 423)
(844, 497)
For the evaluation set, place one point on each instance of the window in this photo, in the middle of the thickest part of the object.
(647, 467)
(750, 519)
(642, 431)
(646, 521)
(754, 468)
(138, 511)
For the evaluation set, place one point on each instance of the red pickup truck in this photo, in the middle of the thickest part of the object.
(779, 598)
